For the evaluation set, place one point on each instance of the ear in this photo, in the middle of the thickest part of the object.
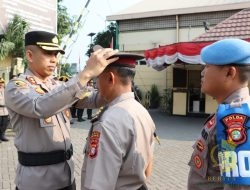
(111, 77)
(28, 55)
(231, 72)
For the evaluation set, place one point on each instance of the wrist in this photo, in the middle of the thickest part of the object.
(84, 77)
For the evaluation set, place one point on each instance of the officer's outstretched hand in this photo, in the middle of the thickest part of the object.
(97, 63)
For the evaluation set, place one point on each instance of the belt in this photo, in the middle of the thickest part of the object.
(70, 187)
(44, 158)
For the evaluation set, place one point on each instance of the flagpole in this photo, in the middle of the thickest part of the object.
(79, 63)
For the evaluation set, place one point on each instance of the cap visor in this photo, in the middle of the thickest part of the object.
(50, 48)
(124, 55)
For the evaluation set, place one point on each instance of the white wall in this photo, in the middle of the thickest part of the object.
(143, 40)
(188, 34)
(146, 76)
(140, 41)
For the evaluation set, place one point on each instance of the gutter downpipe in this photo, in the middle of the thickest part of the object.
(177, 28)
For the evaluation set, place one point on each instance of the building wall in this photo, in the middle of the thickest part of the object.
(138, 35)
(40, 14)
(141, 40)
(188, 34)
(153, 77)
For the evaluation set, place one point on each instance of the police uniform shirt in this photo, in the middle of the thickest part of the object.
(3, 109)
(40, 118)
(204, 171)
(119, 147)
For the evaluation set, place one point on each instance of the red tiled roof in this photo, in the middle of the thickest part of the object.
(236, 26)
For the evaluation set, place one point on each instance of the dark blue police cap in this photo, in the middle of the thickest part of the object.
(227, 51)
(45, 40)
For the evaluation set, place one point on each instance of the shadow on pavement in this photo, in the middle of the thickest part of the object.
(167, 127)
(177, 127)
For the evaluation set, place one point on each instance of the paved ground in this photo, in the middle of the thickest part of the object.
(170, 171)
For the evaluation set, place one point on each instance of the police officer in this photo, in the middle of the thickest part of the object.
(38, 108)
(119, 147)
(217, 162)
(4, 115)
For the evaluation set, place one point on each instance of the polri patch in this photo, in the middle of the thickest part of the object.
(235, 128)
(93, 144)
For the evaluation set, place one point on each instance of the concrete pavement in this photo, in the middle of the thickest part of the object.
(170, 170)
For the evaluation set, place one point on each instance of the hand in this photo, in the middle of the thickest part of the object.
(98, 61)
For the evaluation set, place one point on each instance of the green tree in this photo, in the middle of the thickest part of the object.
(104, 38)
(12, 43)
(65, 70)
(154, 97)
(65, 24)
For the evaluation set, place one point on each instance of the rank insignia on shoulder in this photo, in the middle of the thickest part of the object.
(93, 144)
(31, 80)
(20, 83)
(39, 90)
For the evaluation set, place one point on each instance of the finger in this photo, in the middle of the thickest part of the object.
(108, 53)
(97, 47)
(112, 60)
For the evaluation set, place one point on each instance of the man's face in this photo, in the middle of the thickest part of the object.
(213, 80)
(42, 63)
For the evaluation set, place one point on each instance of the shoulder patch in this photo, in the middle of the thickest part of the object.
(93, 144)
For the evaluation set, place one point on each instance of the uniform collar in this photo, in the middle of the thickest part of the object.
(121, 98)
(38, 80)
(239, 96)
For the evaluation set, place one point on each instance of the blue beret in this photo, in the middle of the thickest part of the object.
(227, 51)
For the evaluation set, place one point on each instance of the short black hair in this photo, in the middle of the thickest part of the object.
(126, 74)
(244, 73)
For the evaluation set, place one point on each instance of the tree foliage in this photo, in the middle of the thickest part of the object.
(104, 38)
(65, 23)
(12, 42)
(65, 70)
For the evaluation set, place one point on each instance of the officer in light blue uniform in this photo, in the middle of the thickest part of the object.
(221, 156)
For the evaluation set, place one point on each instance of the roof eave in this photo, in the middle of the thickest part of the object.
(178, 11)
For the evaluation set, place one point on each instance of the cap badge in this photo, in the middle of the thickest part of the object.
(55, 40)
